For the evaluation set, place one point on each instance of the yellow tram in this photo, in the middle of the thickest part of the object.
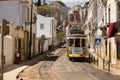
(77, 46)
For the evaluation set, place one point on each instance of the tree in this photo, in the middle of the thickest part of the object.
(61, 3)
(45, 10)
(60, 34)
(38, 3)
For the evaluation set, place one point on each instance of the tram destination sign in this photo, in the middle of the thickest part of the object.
(77, 50)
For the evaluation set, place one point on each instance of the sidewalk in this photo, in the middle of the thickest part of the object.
(113, 69)
(11, 72)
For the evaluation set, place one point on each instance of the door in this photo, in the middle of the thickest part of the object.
(19, 47)
(110, 51)
(118, 49)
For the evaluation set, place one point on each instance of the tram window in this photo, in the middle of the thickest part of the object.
(77, 42)
(83, 43)
(71, 42)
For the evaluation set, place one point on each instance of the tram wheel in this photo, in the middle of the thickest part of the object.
(71, 59)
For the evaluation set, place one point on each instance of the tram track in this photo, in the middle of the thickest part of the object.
(45, 70)
(41, 70)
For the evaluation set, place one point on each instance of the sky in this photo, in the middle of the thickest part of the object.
(69, 3)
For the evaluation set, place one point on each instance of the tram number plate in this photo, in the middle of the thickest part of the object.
(77, 50)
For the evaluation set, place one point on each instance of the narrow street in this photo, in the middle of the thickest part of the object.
(42, 70)
(67, 70)
(48, 39)
(57, 67)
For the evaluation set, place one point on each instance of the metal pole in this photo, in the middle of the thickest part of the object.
(30, 43)
(97, 57)
(52, 33)
(2, 48)
(109, 56)
(103, 63)
(2, 51)
(97, 62)
(109, 65)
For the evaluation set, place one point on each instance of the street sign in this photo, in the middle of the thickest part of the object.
(97, 41)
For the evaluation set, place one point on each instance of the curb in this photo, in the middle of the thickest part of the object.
(44, 54)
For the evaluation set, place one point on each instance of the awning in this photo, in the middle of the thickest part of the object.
(111, 30)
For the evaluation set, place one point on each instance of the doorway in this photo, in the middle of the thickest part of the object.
(118, 49)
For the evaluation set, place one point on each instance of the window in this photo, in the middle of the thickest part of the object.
(16, 43)
(118, 10)
(83, 42)
(109, 15)
(71, 42)
(77, 42)
(28, 16)
(105, 17)
(118, 50)
(41, 26)
(7, 30)
(0, 29)
(106, 46)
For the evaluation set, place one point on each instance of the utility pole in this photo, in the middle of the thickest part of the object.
(3, 33)
(52, 33)
(30, 43)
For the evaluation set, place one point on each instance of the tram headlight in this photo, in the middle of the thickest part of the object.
(70, 50)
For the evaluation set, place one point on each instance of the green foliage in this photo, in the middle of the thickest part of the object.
(46, 10)
(61, 3)
(60, 35)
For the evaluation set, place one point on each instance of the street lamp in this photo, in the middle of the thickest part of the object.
(3, 33)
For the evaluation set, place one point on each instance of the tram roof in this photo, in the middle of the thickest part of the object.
(76, 36)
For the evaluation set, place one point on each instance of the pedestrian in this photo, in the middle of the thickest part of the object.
(17, 57)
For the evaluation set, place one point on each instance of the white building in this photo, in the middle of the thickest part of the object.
(46, 26)
(108, 17)
(113, 42)
(18, 12)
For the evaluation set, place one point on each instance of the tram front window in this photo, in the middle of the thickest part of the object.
(71, 42)
(77, 42)
(83, 42)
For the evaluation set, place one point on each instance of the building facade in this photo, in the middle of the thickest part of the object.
(103, 23)
(19, 12)
(46, 28)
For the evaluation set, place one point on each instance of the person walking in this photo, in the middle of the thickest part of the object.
(17, 57)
